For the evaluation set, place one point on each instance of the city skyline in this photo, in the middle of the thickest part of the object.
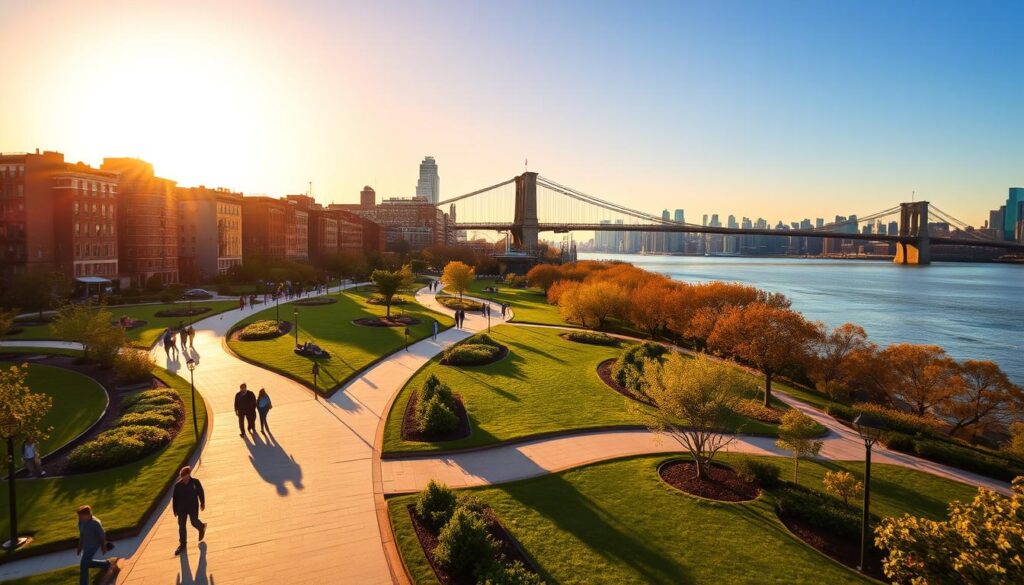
(864, 120)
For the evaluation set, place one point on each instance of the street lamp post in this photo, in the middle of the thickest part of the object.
(191, 363)
(316, 370)
(295, 312)
(14, 541)
(277, 307)
(870, 429)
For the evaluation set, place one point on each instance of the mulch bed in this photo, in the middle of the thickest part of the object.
(604, 371)
(829, 544)
(186, 312)
(503, 352)
(721, 483)
(284, 328)
(318, 301)
(411, 433)
(428, 540)
(393, 321)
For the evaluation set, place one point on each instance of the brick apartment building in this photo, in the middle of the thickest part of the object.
(147, 223)
(337, 229)
(57, 216)
(415, 220)
(209, 232)
(274, 228)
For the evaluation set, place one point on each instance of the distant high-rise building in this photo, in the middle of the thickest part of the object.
(429, 184)
(367, 198)
(1012, 214)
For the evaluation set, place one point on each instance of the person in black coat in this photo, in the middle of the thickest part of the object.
(245, 408)
(188, 500)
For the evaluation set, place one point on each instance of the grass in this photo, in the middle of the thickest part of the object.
(617, 522)
(121, 496)
(78, 401)
(147, 334)
(546, 384)
(352, 347)
(58, 577)
(529, 305)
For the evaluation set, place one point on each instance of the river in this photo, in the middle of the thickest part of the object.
(974, 311)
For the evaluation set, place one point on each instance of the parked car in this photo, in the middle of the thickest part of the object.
(197, 293)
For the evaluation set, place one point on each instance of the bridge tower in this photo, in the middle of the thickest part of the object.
(916, 247)
(525, 226)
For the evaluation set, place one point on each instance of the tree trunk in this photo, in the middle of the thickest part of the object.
(700, 467)
(388, 305)
(796, 469)
(768, 389)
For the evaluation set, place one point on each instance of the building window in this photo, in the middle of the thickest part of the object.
(78, 229)
(74, 207)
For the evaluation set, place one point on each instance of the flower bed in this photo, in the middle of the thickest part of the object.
(591, 338)
(478, 350)
(315, 302)
(435, 413)
(378, 299)
(182, 312)
(392, 321)
(455, 303)
(719, 483)
(265, 329)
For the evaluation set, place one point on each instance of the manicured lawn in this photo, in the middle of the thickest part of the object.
(77, 402)
(58, 577)
(617, 522)
(529, 305)
(546, 384)
(147, 334)
(352, 347)
(120, 496)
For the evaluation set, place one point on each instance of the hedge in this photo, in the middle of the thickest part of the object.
(257, 330)
(822, 511)
(117, 446)
(592, 338)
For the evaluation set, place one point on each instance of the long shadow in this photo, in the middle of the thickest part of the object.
(201, 577)
(272, 463)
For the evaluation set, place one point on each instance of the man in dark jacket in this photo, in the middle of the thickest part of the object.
(245, 408)
(188, 500)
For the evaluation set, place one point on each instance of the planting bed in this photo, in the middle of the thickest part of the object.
(410, 432)
(721, 483)
(393, 321)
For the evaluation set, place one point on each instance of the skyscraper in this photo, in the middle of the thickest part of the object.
(429, 184)
(1012, 213)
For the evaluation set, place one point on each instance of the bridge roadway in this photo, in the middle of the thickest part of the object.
(696, 229)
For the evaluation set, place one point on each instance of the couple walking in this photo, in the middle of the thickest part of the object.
(247, 405)
(460, 317)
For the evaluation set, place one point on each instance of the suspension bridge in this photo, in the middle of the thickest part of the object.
(528, 204)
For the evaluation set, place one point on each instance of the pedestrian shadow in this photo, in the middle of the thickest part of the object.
(173, 363)
(272, 463)
(186, 577)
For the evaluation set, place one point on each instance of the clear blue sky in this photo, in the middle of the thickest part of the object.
(777, 109)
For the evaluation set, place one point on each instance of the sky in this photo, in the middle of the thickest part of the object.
(775, 109)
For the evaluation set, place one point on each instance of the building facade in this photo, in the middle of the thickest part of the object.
(415, 220)
(429, 184)
(147, 223)
(263, 227)
(210, 232)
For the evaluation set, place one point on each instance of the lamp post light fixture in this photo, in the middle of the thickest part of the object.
(277, 307)
(316, 371)
(14, 541)
(870, 430)
(191, 364)
(295, 312)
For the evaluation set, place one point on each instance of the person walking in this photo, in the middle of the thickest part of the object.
(91, 540)
(252, 301)
(191, 332)
(188, 500)
(183, 337)
(263, 406)
(241, 302)
(31, 458)
(169, 345)
(245, 408)
(502, 310)
(435, 330)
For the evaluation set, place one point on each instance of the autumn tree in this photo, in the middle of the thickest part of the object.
(601, 301)
(768, 338)
(7, 321)
(21, 415)
(842, 484)
(920, 376)
(90, 326)
(1015, 446)
(650, 306)
(388, 283)
(408, 276)
(693, 400)
(831, 367)
(542, 276)
(458, 276)
(797, 434)
(981, 397)
(981, 542)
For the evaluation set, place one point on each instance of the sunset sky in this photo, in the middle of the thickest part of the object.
(778, 109)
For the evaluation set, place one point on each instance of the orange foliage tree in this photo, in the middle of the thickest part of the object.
(919, 376)
(831, 369)
(593, 303)
(542, 276)
(982, 397)
(651, 305)
(769, 338)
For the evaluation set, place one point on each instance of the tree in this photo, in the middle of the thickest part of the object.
(7, 321)
(542, 276)
(842, 484)
(693, 400)
(832, 350)
(388, 283)
(767, 337)
(600, 301)
(36, 289)
(797, 435)
(982, 397)
(1016, 445)
(458, 276)
(981, 542)
(921, 376)
(91, 326)
(649, 306)
(21, 415)
(408, 277)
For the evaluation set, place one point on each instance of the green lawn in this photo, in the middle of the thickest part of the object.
(77, 402)
(529, 305)
(546, 384)
(58, 577)
(352, 347)
(147, 334)
(617, 522)
(120, 496)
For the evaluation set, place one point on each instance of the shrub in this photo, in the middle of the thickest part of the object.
(437, 418)
(764, 474)
(442, 391)
(436, 503)
(842, 484)
(470, 354)
(841, 412)
(592, 338)
(456, 303)
(464, 543)
(501, 573)
(148, 395)
(257, 330)
(897, 441)
(966, 458)
(132, 366)
(902, 422)
(117, 446)
(149, 419)
(173, 409)
(756, 410)
(628, 370)
(824, 512)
